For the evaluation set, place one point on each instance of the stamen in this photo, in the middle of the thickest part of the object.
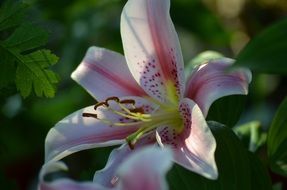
(90, 115)
(137, 115)
(137, 110)
(114, 98)
(149, 126)
(129, 115)
(120, 124)
(132, 139)
(128, 101)
(106, 121)
(125, 109)
(126, 124)
(99, 104)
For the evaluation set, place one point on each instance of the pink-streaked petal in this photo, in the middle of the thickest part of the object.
(75, 132)
(152, 48)
(65, 183)
(152, 162)
(145, 169)
(104, 73)
(212, 81)
(107, 176)
(194, 147)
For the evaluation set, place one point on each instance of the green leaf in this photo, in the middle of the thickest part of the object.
(227, 110)
(278, 186)
(11, 14)
(251, 133)
(7, 91)
(260, 177)
(7, 71)
(26, 37)
(277, 141)
(32, 71)
(235, 166)
(267, 52)
(23, 63)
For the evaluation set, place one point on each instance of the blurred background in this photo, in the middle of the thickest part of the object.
(74, 25)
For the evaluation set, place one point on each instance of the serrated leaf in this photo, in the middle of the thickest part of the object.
(267, 52)
(11, 14)
(235, 166)
(21, 49)
(26, 37)
(31, 71)
(24, 80)
(277, 141)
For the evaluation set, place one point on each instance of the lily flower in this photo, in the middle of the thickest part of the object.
(144, 98)
(145, 169)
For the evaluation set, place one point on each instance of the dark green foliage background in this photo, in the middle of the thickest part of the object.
(74, 25)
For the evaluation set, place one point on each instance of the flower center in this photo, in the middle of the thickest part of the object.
(131, 115)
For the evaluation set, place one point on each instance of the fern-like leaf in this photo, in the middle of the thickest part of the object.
(23, 61)
(11, 14)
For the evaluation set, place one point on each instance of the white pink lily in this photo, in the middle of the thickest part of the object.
(144, 98)
(143, 170)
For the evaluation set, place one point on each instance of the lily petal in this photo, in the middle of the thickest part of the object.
(195, 145)
(152, 162)
(104, 73)
(65, 183)
(106, 176)
(145, 169)
(152, 48)
(75, 132)
(211, 81)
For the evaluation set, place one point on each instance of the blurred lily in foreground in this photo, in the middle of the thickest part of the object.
(143, 97)
(145, 169)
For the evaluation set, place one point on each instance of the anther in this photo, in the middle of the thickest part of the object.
(99, 105)
(131, 145)
(90, 115)
(128, 101)
(114, 98)
(137, 110)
